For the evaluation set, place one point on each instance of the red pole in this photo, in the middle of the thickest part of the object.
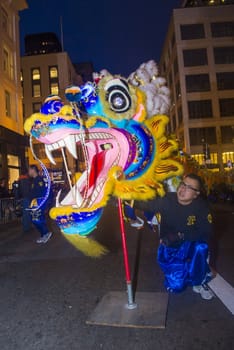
(131, 304)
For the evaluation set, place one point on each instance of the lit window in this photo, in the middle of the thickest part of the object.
(54, 89)
(36, 90)
(36, 74)
(36, 84)
(12, 160)
(36, 107)
(53, 72)
(228, 156)
(200, 158)
(7, 104)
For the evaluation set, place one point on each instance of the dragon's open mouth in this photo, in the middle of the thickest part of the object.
(102, 150)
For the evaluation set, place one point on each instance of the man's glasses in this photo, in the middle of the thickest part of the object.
(186, 186)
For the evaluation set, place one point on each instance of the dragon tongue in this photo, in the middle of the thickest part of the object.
(97, 165)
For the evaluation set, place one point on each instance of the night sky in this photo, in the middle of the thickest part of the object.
(114, 34)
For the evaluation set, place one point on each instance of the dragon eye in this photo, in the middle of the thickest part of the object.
(117, 94)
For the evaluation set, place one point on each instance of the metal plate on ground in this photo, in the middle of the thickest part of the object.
(112, 310)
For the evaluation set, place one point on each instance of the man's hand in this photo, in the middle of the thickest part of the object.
(180, 235)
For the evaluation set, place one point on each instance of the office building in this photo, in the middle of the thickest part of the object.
(198, 61)
(41, 43)
(12, 140)
(43, 74)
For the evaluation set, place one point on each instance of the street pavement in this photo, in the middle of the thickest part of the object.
(47, 292)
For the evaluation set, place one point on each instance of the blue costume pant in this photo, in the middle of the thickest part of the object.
(39, 220)
(26, 217)
(183, 266)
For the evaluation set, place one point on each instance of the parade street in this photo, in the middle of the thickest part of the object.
(48, 291)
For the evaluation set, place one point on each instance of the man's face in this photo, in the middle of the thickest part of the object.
(187, 191)
(31, 172)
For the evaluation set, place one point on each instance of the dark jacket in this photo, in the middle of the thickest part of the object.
(192, 222)
(38, 188)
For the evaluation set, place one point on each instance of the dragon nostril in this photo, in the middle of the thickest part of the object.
(106, 146)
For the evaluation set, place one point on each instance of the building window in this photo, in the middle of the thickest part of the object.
(53, 71)
(36, 90)
(224, 55)
(36, 106)
(54, 89)
(5, 21)
(53, 80)
(36, 82)
(7, 104)
(226, 106)
(196, 57)
(200, 109)
(200, 158)
(200, 135)
(197, 82)
(8, 62)
(192, 31)
(180, 115)
(222, 29)
(36, 75)
(225, 80)
(228, 156)
(227, 134)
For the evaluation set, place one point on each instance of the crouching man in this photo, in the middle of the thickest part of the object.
(185, 228)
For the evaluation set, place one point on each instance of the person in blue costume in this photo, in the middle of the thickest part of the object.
(37, 193)
(185, 229)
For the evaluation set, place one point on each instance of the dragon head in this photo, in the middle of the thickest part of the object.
(126, 152)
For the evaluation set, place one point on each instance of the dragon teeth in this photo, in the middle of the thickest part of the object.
(49, 154)
(70, 143)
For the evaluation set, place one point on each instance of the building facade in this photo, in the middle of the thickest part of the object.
(12, 140)
(198, 62)
(42, 75)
